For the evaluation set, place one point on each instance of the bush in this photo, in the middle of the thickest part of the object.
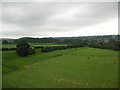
(4, 42)
(8, 49)
(31, 51)
(75, 45)
(48, 49)
(38, 47)
(22, 51)
(23, 48)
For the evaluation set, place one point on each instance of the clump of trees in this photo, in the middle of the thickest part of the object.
(76, 44)
(111, 44)
(23, 48)
(5, 42)
(72, 45)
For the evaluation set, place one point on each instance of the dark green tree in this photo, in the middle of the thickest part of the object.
(23, 48)
(4, 42)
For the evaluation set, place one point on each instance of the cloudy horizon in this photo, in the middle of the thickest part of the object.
(59, 19)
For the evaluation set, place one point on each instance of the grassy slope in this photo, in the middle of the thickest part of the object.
(80, 67)
(0, 69)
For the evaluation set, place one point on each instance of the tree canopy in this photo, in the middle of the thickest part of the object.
(23, 48)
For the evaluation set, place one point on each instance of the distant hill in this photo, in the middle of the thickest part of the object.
(64, 39)
(10, 40)
(69, 39)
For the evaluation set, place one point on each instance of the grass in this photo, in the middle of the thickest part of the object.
(47, 44)
(8, 45)
(31, 44)
(70, 68)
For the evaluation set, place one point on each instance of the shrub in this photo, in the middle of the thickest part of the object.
(48, 49)
(31, 51)
(8, 49)
(75, 45)
(38, 47)
(23, 48)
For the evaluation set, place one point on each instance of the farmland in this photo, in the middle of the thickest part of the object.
(32, 44)
(70, 68)
(59, 44)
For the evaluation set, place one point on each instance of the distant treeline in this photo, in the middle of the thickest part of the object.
(104, 42)
(61, 39)
(66, 40)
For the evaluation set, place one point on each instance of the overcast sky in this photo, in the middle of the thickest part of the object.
(58, 19)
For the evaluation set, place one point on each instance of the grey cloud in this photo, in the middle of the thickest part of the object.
(96, 13)
(55, 17)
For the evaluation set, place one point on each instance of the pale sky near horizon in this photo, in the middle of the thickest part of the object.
(59, 19)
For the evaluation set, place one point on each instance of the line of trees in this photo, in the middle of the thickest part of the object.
(49, 49)
(7, 49)
(10, 49)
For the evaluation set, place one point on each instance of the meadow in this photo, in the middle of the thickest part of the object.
(70, 68)
(32, 45)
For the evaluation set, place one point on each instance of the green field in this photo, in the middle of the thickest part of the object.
(31, 44)
(69, 68)
(7, 45)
